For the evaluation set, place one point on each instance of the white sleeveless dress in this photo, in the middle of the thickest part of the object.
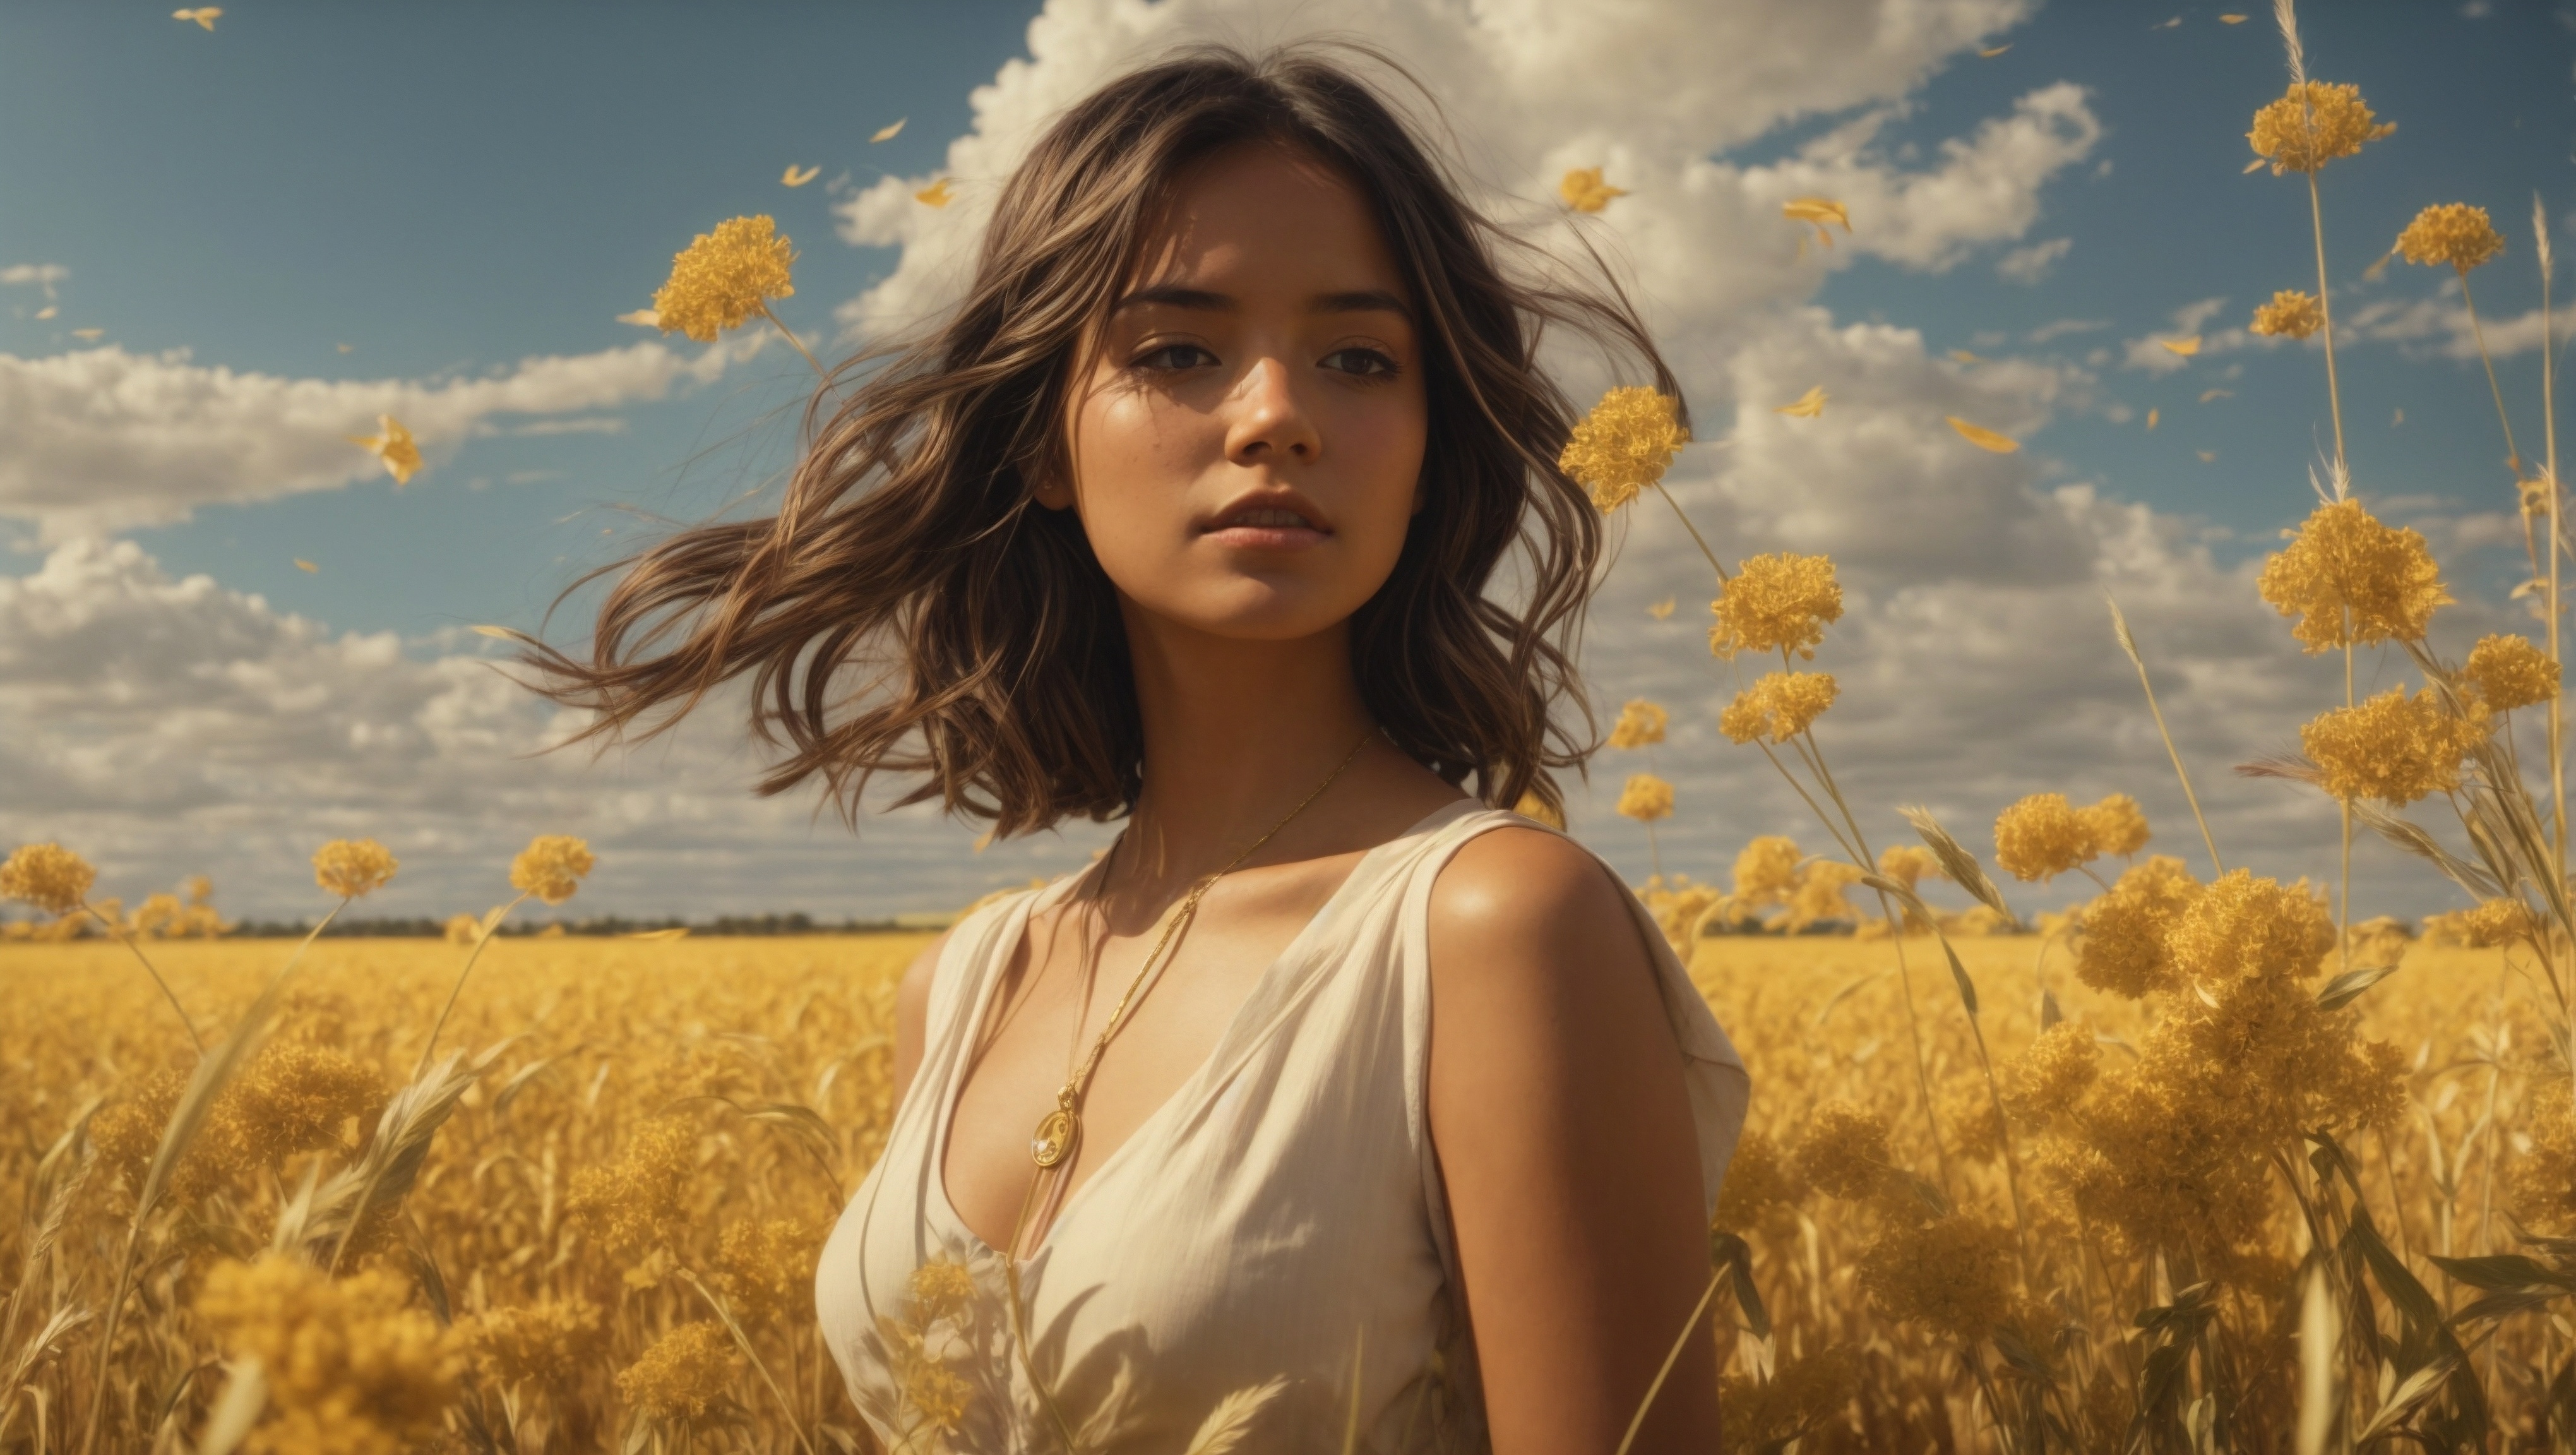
(1279, 1222)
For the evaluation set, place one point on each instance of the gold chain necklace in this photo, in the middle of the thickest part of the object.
(1061, 1129)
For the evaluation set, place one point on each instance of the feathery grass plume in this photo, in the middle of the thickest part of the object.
(2353, 581)
(2292, 313)
(1766, 871)
(354, 1207)
(2392, 748)
(1641, 724)
(1230, 1423)
(1624, 445)
(351, 1368)
(2314, 122)
(48, 876)
(2041, 837)
(353, 868)
(683, 1376)
(2123, 946)
(550, 1342)
(2453, 233)
(1646, 798)
(551, 867)
(1584, 191)
(723, 278)
(2116, 825)
(2508, 671)
(1778, 602)
(1780, 706)
(1842, 1151)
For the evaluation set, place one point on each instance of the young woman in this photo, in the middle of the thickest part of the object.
(1334, 1097)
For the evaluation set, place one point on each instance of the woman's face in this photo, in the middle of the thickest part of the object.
(1247, 441)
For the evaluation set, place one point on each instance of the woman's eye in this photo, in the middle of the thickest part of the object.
(1175, 356)
(1361, 361)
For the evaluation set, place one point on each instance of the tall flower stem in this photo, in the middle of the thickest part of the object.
(127, 940)
(2549, 476)
(2129, 644)
(2513, 456)
(482, 937)
(796, 343)
(1694, 532)
(2325, 310)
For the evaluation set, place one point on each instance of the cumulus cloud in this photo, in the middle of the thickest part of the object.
(99, 440)
(2028, 265)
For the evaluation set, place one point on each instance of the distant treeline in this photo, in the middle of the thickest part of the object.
(604, 926)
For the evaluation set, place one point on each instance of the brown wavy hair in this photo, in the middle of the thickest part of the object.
(911, 610)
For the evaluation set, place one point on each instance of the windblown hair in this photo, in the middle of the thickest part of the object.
(911, 610)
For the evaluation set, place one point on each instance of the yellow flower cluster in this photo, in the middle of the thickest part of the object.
(1641, 724)
(1624, 445)
(2492, 923)
(1909, 864)
(1818, 899)
(1680, 907)
(2043, 835)
(547, 1343)
(1951, 1272)
(1757, 1179)
(2453, 233)
(724, 277)
(683, 1375)
(635, 1204)
(1779, 602)
(2245, 928)
(1646, 798)
(48, 876)
(2122, 948)
(2290, 314)
(2351, 580)
(2392, 748)
(2313, 124)
(2059, 1067)
(766, 1266)
(1779, 706)
(2507, 672)
(1842, 1151)
(352, 1370)
(353, 868)
(551, 867)
(1803, 1393)
(1766, 871)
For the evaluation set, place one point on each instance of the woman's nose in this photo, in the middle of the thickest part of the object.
(1270, 423)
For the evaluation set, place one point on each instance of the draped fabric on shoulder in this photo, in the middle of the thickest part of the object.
(1277, 1226)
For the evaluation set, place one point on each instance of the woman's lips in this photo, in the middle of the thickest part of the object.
(1268, 528)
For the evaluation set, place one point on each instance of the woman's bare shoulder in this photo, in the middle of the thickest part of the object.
(1525, 886)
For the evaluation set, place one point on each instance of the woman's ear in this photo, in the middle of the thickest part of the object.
(1052, 488)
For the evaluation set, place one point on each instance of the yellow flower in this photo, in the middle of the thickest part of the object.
(2351, 580)
(1951, 1273)
(2290, 314)
(1533, 806)
(941, 1288)
(2509, 672)
(48, 876)
(1909, 864)
(1624, 445)
(936, 1392)
(1584, 191)
(2313, 125)
(2495, 922)
(394, 447)
(638, 1202)
(2041, 837)
(725, 277)
(683, 1374)
(767, 1265)
(350, 1367)
(1843, 1150)
(1804, 1393)
(1777, 602)
(1766, 871)
(2046, 1079)
(551, 867)
(2392, 748)
(2453, 233)
(1640, 723)
(548, 1342)
(1757, 1178)
(2123, 947)
(1818, 897)
(1781, 706)
(1646, 798)
(2116, 825)
(2245, 928)
(352, 868)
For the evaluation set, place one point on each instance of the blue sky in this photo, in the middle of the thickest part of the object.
(448, 190)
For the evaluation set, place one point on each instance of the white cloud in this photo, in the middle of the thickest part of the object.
(2441, 326)
(101, 439)
(2029, 265)
(39, 275)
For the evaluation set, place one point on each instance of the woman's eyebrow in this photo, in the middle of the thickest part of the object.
(1172, 295)
(1368, 300)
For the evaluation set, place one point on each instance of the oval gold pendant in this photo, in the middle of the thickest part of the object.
(1054, 1137)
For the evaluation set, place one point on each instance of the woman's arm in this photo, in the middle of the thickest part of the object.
(1565, 1138)
(912, 1014)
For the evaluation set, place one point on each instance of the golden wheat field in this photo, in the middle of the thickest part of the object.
(659, 1133)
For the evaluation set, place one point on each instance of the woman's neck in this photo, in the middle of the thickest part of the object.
(1237, 733)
